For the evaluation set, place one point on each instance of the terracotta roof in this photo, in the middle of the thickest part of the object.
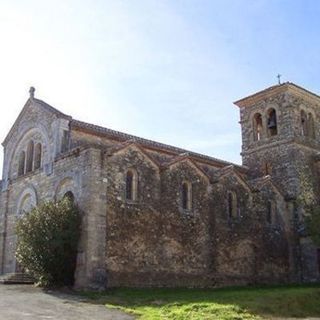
(251, 99)
(120, 136)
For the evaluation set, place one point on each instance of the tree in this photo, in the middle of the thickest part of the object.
(47, 242)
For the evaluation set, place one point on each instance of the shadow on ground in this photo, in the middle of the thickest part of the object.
(229, 303)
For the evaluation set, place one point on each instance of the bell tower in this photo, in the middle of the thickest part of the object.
(280, 134)
(281, 138)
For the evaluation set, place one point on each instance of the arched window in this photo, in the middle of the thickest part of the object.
(303, 123)
(271, 208)
(37, 156)
(272, 122)
(30, 150)
(26, 205)
(186, 196)
(22, 160)
(257, 127)
(267, 168)
(311, 132)
(131, 185)
(69, 195)
(232, 205)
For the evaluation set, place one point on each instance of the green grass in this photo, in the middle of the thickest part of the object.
(221, 304)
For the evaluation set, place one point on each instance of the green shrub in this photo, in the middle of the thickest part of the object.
(47, 242)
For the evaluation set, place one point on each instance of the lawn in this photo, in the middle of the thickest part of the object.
(221, 304)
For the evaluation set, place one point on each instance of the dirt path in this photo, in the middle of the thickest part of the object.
(18, 302)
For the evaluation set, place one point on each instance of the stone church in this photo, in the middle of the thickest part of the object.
(158, 215)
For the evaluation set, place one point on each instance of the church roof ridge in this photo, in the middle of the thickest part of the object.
(148, 143)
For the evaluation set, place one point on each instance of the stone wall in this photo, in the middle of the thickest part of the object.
(152, 239)
(290, 156)
(76, 172)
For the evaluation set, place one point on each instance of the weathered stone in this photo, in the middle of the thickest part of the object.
(153, 239)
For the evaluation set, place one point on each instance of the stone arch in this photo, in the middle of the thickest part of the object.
(21, 164)
(30, 156)
(307, 118)
(64, 187)
(131, 184)
(272, 121)
(311, 129)
(26, 201)
(257, 124)
(186, 195)
(303, 123)
(271, 211)
(9, 165)
(37, 156)
(69, 195)
(267, 168)
(232, 205)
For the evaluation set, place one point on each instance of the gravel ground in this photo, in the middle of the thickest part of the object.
(24, 302)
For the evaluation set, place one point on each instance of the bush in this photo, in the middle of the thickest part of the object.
(47, 242)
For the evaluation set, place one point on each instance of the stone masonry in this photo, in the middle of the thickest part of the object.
(157, 215)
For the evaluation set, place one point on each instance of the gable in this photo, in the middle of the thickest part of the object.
(37, 122)
(230, 172)
(186, 160)
(131, 146)
(268, 183)
(32, 113)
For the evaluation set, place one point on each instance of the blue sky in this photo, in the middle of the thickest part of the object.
(166, 70)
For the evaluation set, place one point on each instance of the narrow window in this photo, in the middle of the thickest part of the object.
(267, 169)
(232, 205)
(304, 123)
(22, 160)
(131, 185)
(37, 156)
(30, 150)
(311, 132)
(271, 208)
(272, 122)
(186, 198)
(257, 127)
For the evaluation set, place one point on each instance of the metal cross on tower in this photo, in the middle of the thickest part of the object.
(279, 78)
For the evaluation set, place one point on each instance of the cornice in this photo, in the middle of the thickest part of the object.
(288, 87)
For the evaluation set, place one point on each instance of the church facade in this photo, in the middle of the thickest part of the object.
(158, 215)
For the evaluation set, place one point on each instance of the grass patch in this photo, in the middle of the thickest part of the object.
(219, 304)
